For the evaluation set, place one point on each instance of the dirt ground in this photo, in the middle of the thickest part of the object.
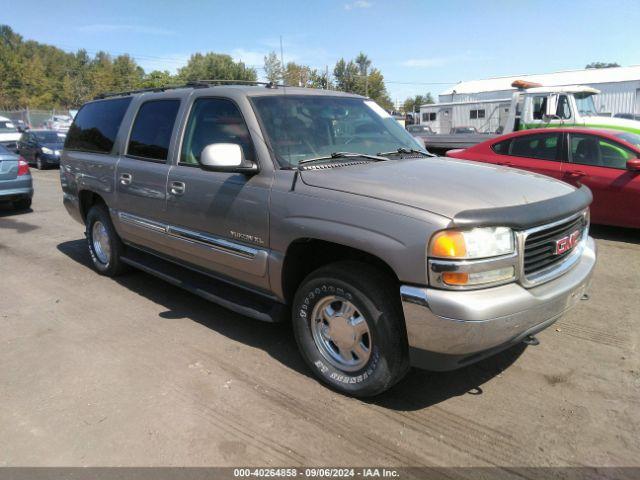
(132, 372)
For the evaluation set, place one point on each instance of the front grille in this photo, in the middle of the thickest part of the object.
(540, 246)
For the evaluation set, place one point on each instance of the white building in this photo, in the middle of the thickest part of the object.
(483, 103)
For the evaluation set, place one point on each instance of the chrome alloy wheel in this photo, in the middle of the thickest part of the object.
(341, 333)
(100, 241)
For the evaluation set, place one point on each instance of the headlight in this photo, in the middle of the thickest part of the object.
(475, 258)
(475, 243)
(46, 150)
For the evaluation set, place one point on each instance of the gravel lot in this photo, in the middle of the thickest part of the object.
(96, 371)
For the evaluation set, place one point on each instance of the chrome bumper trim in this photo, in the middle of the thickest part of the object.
(467, 322)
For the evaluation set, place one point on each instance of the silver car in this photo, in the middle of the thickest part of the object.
(16, 185)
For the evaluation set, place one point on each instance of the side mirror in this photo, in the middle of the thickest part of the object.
(225, 157)
(552, 105)
(633, 165)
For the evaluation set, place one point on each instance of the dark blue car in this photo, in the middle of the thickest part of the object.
(41, 147)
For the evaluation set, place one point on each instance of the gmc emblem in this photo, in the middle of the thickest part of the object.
(565, 244)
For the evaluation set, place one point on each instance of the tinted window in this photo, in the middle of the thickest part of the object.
(151, 132)
(502, 147)
(214, 120)
(542, 146)
(96, 125)
(598, 152)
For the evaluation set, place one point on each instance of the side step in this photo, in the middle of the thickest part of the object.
(228, 296)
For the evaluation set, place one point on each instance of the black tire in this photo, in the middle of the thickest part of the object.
(376, 298)
(22, 204)
(40, 165)
(113, 266)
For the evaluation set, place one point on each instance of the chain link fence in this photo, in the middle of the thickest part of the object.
(33, 118)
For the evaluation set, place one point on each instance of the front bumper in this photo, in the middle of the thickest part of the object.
(450, 329)
(50, 159)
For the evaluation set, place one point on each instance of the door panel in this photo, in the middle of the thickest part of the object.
(599, 163)
(141, 175)
(221, 219)
(538, 153)
(141, 188)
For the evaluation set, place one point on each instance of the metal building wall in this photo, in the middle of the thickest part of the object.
(615, 97)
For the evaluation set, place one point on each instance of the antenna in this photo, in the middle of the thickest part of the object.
(284, 93)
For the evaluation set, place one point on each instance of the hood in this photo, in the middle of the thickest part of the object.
(440, 185)
(613, 123)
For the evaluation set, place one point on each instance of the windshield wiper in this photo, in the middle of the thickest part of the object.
(402, 150)
(341, 155)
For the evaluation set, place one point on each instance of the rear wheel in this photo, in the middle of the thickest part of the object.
(105, 246)
(350, 329)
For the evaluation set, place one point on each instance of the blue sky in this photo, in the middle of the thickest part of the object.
(420, 46)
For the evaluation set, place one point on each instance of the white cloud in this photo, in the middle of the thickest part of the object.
(113, 28)
(251, 58)
(358, 4)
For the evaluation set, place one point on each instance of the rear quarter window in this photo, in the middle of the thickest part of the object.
(501, 148)
(96, 126)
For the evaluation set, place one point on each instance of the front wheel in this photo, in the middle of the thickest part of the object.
(39, 163)
(350, 330)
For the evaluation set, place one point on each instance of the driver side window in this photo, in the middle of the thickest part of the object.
(564, 110)
(214, 120)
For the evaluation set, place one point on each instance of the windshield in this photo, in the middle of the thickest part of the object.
(585, 104)
(7, 127)
(300, 127)
(49, 137)
(632, 138)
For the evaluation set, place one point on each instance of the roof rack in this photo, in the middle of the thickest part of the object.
(191, 84)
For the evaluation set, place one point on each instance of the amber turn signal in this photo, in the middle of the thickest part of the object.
(448, 244)
(455, 278)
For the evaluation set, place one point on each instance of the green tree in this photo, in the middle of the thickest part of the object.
(602, 65)
(412, 104)
(127, 75)
(297, 75)
(273, 68)
(215, 66)
(346, 75)
(157, 79)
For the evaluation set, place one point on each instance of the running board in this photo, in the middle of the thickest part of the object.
(228, 296)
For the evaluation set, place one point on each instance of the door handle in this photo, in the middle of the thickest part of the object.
(577, 174)
(506, 164)
(126, 178)
(177, 188)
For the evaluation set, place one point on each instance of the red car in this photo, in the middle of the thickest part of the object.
(607, 161)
